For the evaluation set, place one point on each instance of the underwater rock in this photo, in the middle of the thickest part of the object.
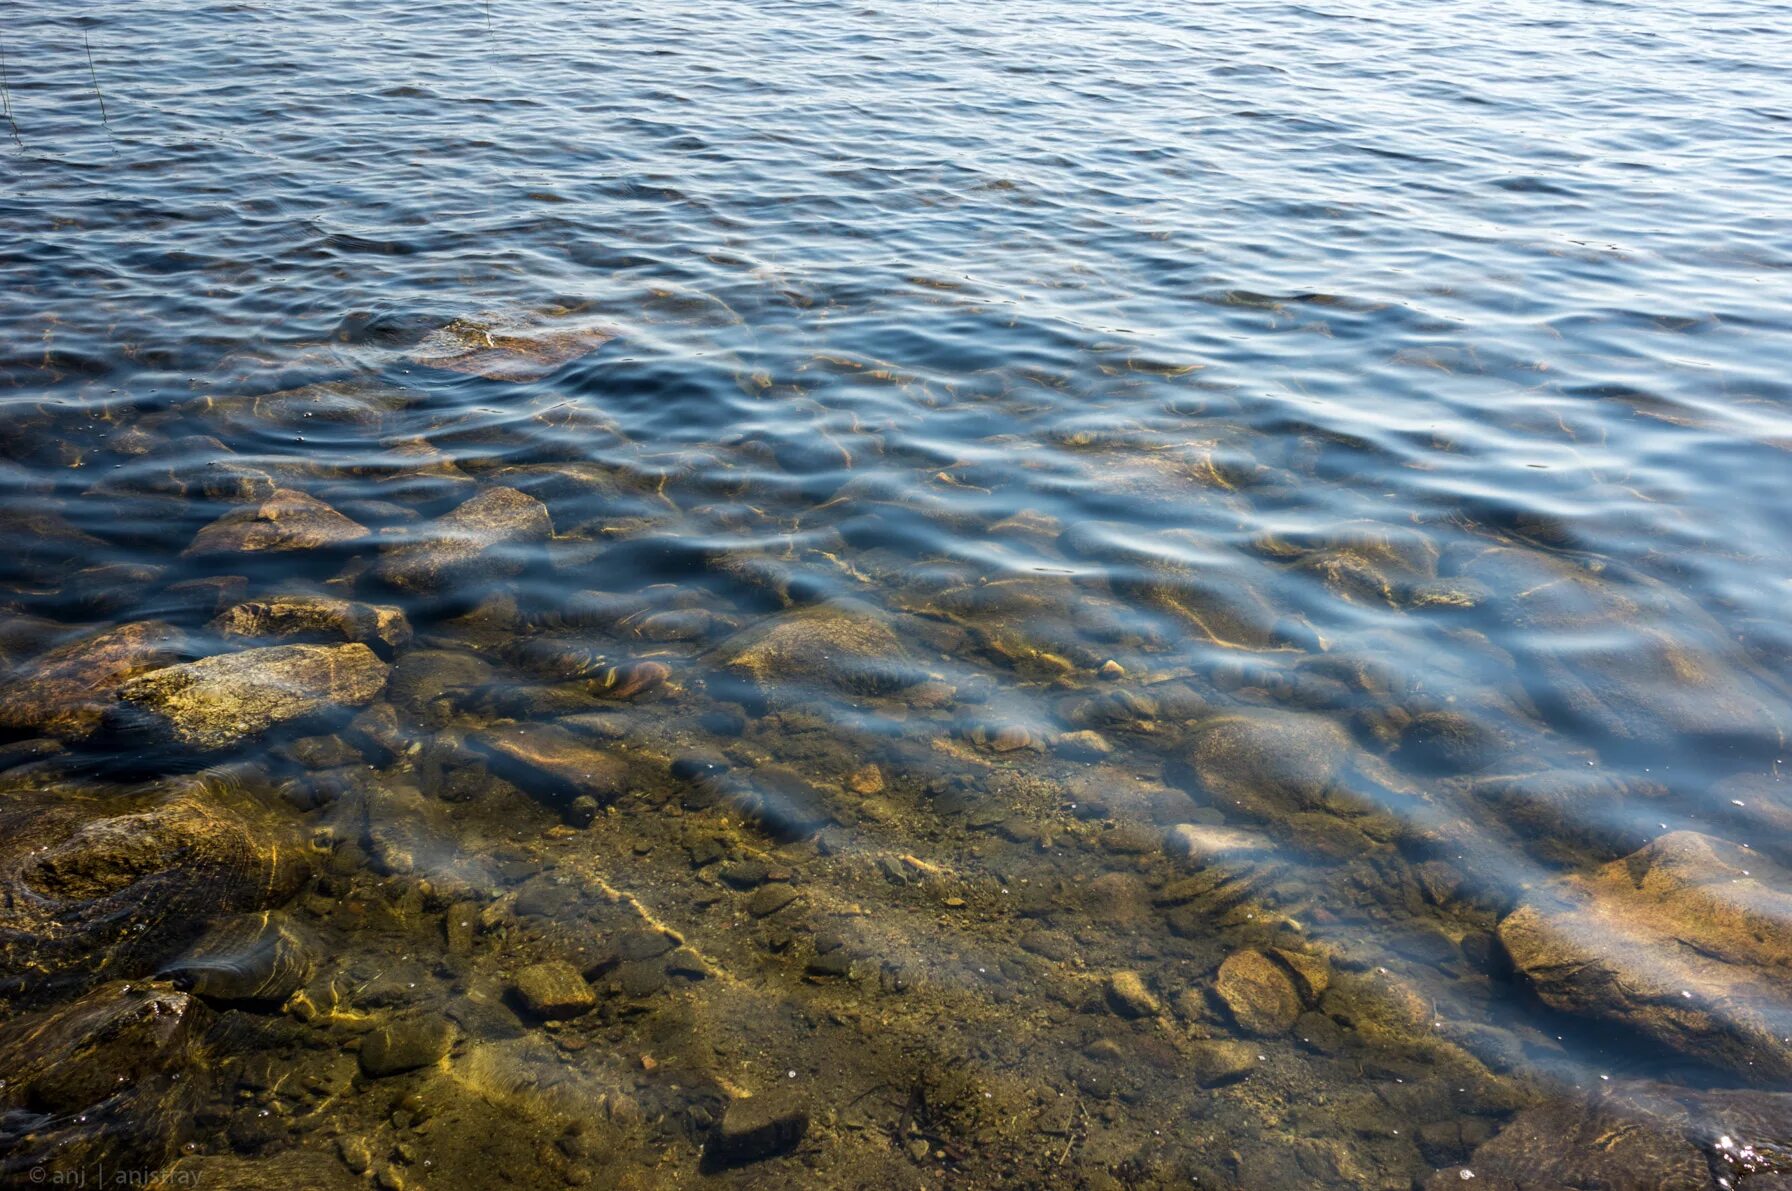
(1157, 571)
(566, 763)
(1626, 658)
(406, 1044)
(1216, 1063)
(427, 684)
(1201, 844)
(1361, 561)
(1641, 1135)
(261, 957)
(1258, 992)
(286, 521)
(1451, 742)
(222, 700)
(345, 404)
(1127, 995)
(42, 545)
(554, 990)
(409, 834)
(1687, 942)
(98, 1083)
(770, 899)
(118, 885)
(1566, 815)
(508, 347)
(65, 692)
(755, 1127)
(1288, 771)
(843, 645)
(487, 536)
(315, 617)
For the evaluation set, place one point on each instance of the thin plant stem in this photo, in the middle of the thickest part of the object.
(104, 119)
(6, 99)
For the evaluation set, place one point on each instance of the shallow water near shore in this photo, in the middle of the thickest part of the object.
(899, 595)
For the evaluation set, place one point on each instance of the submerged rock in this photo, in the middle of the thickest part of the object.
(286, 521)
(566, 764)
(1222, 1062)
(844, 646)
(1293, 772)
(98, 888)
(755, 1127)
(486, 536)
(316, 617)
(1647, 1135)
(1127, 995)
(223, 700)
(1687, 942)
(65, 692)
(554, 990)
(411, 1042)
(98, 1084)
(1628, 659)
(255, 957)
(508, 348)
(1259, 993)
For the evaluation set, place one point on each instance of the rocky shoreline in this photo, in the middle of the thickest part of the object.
(497, 828)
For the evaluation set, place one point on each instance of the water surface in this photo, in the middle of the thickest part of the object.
(1036, 502)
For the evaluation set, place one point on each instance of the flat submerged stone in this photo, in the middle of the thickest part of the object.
(65, 692)
(220, 701)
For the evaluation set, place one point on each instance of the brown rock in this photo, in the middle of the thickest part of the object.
(841, 646)
(567, 761)
(66, 691)
(315, 616)
(222, 700)
(1202, 844)
(1685, 941)
(755, 1127)
(287, 520)
(554, 990)
(486, 535)
(407, 1044)
(1312, 973)
(1636, 1135)
(508, 347)
(1222, 1062)
(1258, 992)
(1127, 995)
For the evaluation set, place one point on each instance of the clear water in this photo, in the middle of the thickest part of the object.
(1403, 382)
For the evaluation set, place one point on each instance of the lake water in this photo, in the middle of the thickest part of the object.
(896, 594)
